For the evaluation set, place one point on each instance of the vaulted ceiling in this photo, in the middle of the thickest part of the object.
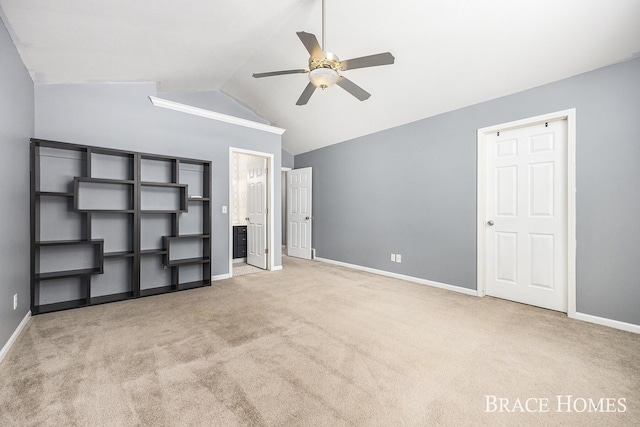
(449, 54)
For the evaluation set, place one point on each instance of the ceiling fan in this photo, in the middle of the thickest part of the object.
(325, 67)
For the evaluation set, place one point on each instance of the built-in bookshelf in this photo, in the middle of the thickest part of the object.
(109, 225)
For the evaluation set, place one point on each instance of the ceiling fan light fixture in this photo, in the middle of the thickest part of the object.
(323, 77)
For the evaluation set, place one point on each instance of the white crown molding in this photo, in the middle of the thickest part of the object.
(184, 108)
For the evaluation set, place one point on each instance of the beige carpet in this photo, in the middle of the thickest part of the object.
(315, 345)
(242, 269)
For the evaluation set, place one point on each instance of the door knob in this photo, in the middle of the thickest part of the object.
(307, 219)
(490, 223)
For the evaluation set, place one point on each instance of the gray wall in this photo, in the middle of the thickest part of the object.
(16, 127)
(121, 116)
(287, 159)
(412, 190)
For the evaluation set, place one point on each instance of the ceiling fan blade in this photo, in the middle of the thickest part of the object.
(311, 43)
(279, 73)
(368, 61)
(306, 94)
(353, 88)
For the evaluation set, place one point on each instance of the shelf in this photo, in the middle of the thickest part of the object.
(161, 211)
(153, 252)
(185, 257)
(163, 197)
(68, 273)
(187, 261)
(53, 194)
(193, 285)
(120, 254)
(49, 250)
(105, 180)
(111, 298)
(162, 184)
(58, 306)
(124, 211)
(189, 236)
(103, 195)
(113, 166)
(156, 291)
(70, 242)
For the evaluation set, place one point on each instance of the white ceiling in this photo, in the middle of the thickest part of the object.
(449, 54)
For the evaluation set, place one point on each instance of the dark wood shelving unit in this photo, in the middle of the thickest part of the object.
(102, 223)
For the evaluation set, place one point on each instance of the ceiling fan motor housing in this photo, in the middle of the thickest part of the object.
(324, 72)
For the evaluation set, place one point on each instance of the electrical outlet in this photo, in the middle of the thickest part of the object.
(393, 257)
(224, 209)
(398, 258)
(15, 301)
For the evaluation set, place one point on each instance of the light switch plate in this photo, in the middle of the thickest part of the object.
(398, 258)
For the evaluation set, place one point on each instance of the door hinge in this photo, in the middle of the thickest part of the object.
(266, 251)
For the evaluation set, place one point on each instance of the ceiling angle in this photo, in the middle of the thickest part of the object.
(325, 67)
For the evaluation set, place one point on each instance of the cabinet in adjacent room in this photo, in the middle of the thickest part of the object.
(239, 241)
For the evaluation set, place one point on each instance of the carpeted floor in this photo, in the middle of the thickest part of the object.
(317, 345)
(242, 269)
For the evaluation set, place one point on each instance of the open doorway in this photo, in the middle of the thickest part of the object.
(250, 211)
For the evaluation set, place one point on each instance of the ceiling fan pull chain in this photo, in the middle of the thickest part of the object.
(324, 41)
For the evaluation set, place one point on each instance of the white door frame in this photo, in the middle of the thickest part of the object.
(283, 193)
(270, 191)
(303, 221)
(570, 116)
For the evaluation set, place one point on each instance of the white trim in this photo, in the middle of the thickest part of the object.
(431, 283)
(570, 116)
(572, 241)
(14, 336)
(220, 277)
(283, 212)
(270, 201)
(171, 105)
(276, 268)
(629, 327)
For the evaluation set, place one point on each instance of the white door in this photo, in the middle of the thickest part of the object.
(526, 215)
(299, 213)
(257, 211)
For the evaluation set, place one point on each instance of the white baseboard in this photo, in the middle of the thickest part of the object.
(629, 327)
(14, 336)
(276, 268)
(445, 286)
(220, 277)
